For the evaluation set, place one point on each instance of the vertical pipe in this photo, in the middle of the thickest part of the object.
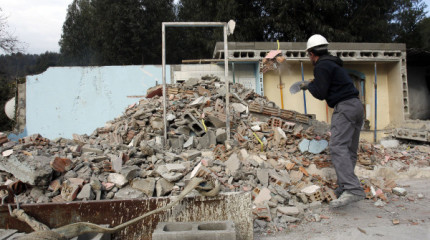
(163, 54)
(376, 103)
(233, 70)
(280, 88)
(227, 88)
(326, 112)
(304, 93)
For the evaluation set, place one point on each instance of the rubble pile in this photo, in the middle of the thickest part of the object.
(280, 156)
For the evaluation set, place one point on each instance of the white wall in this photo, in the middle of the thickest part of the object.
(67, 100)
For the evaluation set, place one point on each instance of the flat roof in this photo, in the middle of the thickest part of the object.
(219, 46)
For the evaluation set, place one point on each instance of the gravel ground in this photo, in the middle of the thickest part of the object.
(363, 220)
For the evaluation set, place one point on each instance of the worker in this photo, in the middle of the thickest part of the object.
(332, 83)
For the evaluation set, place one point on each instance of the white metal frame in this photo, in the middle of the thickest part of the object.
(227, 94)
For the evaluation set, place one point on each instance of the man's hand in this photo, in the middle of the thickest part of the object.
(304, 85)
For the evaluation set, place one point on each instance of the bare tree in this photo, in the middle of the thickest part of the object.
(8, 42)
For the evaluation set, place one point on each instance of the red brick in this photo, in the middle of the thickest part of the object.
(61, 164)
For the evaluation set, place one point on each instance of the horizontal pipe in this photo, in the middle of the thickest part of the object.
(194, 24)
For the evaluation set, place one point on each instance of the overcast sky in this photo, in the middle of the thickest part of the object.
(38, 23)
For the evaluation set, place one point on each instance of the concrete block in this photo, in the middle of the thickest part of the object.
(217, 230)
(193, 124)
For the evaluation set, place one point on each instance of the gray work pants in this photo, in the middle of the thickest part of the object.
(345, 128)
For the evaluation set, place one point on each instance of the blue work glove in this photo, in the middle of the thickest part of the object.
(304, 85)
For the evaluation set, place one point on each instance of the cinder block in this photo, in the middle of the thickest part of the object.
(316, 196)
(193, 124)
(329, 194)
(217, 230)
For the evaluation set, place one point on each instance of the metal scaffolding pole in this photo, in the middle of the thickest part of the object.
(227, 94)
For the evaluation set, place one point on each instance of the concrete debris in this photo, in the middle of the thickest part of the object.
(400, 191)
(117, 179)
(313, 146)
(391, 143)
(146, 186)
(33, 170)
(290, 211)
(280, 156)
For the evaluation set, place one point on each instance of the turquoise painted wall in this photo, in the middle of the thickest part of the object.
(67, 100)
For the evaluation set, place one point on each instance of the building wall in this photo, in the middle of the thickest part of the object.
(67, 100)
(419, 93)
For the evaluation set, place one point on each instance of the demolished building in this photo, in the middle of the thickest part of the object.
(277, 156)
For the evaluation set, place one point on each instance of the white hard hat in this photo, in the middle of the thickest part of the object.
(316, 40)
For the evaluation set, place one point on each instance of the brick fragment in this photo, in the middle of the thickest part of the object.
(61, 164)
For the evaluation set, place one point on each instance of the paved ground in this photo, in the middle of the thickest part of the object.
(363, 220)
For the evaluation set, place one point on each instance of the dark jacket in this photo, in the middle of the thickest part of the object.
(332, 83)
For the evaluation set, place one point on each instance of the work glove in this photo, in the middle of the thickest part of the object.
(304, 85)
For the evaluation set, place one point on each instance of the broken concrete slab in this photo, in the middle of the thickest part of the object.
(128, 193)
(163, 187)
(263, 195)
(189, 142)
(313, 146)
(390, 143)
(146, 186)
(233, 164)
(33, 170)
(279, 134)
(208, 140)
(118, 179)
(221, 135)
(191, 82)
(239, 107)
(130, 172)
(175, 167)
(69, 190)
(86, 193)
(290, 211)
(169, 176)
(191, 155)
(263, 176)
